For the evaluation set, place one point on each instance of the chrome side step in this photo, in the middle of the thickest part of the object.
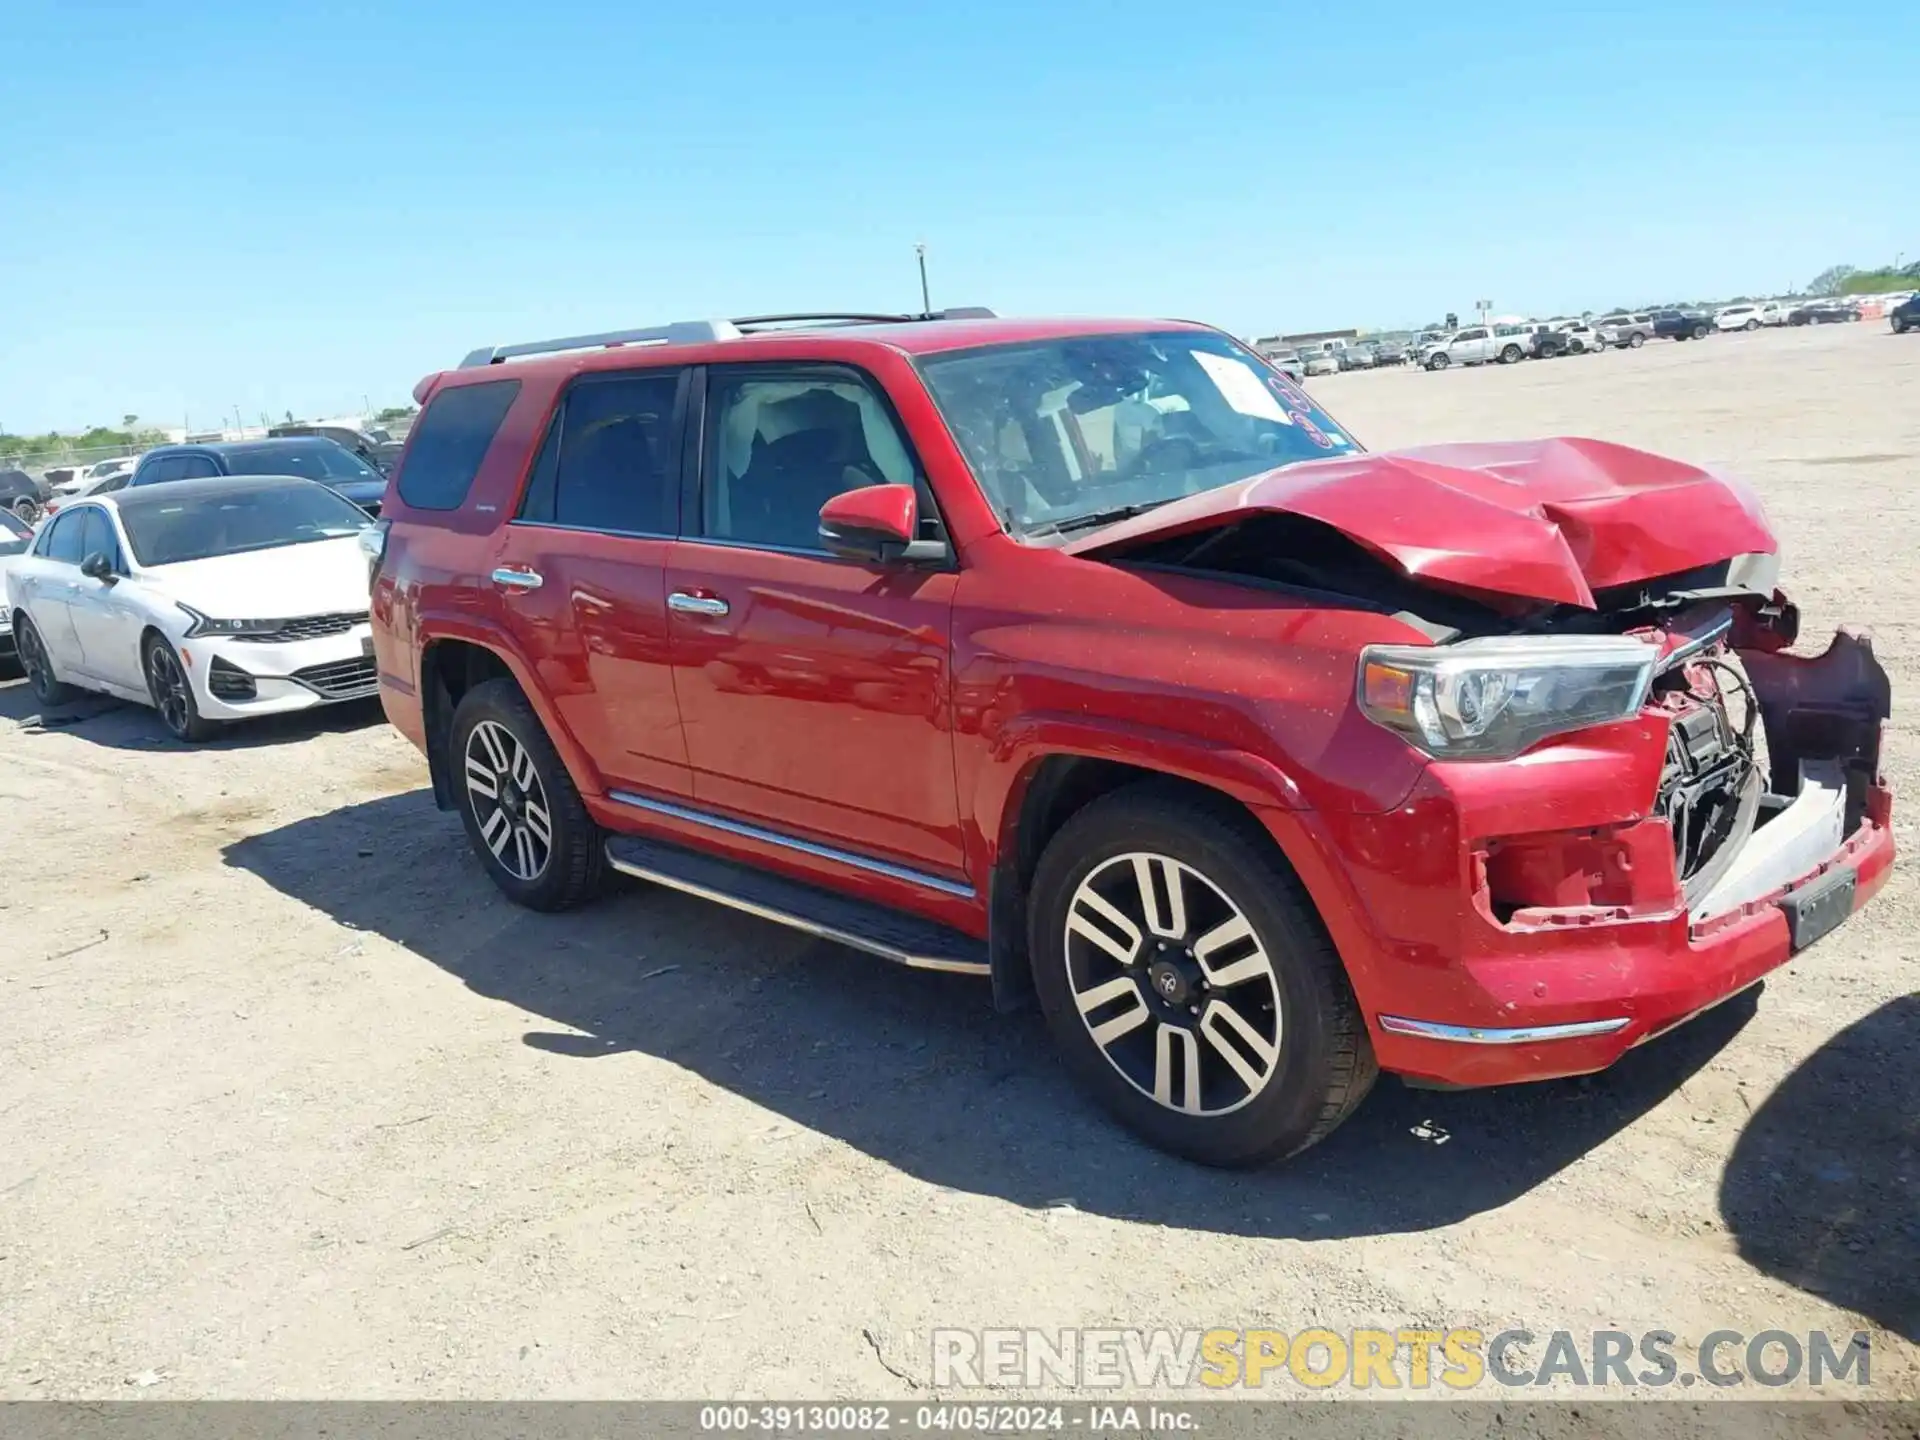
(905, 939)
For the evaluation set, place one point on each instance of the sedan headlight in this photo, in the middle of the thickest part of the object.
(231, 629)
(1492, 698)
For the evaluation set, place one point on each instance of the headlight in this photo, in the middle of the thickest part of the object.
(373, 541)
(1490, 699)
(231, 629)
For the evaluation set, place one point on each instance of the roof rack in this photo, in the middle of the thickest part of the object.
(699, 332)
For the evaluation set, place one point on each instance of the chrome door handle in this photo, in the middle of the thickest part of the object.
(687, 604)
(517, 577)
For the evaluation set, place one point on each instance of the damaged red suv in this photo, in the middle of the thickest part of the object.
(1095, 658)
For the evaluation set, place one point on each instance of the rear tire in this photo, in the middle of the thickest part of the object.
(524, 817)
(1510, 355)
(48, 689)
(1751, 325)
(1229, 1034)
(1636, 340)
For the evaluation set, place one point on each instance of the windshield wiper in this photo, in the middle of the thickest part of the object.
(1099, 517)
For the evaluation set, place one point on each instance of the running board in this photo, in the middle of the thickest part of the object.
(906, 939)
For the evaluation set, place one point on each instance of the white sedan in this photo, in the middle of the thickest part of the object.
(210, 600)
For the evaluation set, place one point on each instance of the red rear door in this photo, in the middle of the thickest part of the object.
(580, 573)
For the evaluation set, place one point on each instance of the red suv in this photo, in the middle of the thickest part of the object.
(1096, 658)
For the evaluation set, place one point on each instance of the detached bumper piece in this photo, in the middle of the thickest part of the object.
(342, 679)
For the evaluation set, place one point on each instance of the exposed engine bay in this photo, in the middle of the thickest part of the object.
(1770, 756)
(1711, 783)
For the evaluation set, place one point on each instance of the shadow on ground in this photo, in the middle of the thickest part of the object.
(1823, 1188)
(912, 1067)
(119, 725)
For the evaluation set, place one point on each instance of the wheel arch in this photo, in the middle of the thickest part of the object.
(451, 664)
(1037, 790)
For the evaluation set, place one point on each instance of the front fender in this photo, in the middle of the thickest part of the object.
(1251, 779)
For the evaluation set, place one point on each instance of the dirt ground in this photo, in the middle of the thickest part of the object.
(293, 1104)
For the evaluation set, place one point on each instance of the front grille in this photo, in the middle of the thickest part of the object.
(227, 681)
(341, 679)
(313, 627)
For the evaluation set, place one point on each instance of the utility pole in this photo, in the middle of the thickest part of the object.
(926, 304)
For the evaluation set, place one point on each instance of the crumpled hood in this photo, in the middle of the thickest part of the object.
(1546, 519)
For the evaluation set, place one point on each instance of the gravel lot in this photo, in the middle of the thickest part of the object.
(295, 1105)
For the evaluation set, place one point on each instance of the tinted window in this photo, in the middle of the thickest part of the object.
(609, 460)
(194, 467)
(15, 536)
(780, 447)
(63, 538)
(96, 536)
(315, 459)
(164, 531)
(449, 442)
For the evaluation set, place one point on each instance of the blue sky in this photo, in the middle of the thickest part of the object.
(276, 207)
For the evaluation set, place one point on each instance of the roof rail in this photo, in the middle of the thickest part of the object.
(697, 332)
(683, 332)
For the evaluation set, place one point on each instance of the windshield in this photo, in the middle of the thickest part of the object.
(316, 459)
(166, 531)
(14, 535)
(1063, 430)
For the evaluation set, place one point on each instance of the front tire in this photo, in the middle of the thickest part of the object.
(1439, 362)
(172, 693)
(522, 813)
(1190, 983)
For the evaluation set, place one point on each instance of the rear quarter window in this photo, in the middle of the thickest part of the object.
(449, 442)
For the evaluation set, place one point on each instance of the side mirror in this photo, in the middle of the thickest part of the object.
(98, 567)
(874, 523)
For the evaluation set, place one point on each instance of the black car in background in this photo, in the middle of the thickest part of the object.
(1824, 312)
(312, 457)
(1905, 316)
(21, 494)
(375, 446)
(1545, 342)
(1388, 352)
(1682, 325)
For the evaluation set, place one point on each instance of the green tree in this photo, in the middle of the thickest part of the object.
(1832, 280)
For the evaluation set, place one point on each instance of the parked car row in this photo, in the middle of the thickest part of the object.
(1094, 659)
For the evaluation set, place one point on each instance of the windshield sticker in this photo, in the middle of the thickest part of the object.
(1240, 387)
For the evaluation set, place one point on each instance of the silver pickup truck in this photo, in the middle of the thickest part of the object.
(1478, 345)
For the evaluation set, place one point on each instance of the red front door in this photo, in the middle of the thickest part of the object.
(816, 702)
(814, 691)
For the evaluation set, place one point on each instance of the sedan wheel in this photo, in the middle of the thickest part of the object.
(34, 659)
(172, 693)
(509, 802)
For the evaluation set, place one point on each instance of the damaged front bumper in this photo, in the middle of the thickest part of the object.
(1524, 920)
